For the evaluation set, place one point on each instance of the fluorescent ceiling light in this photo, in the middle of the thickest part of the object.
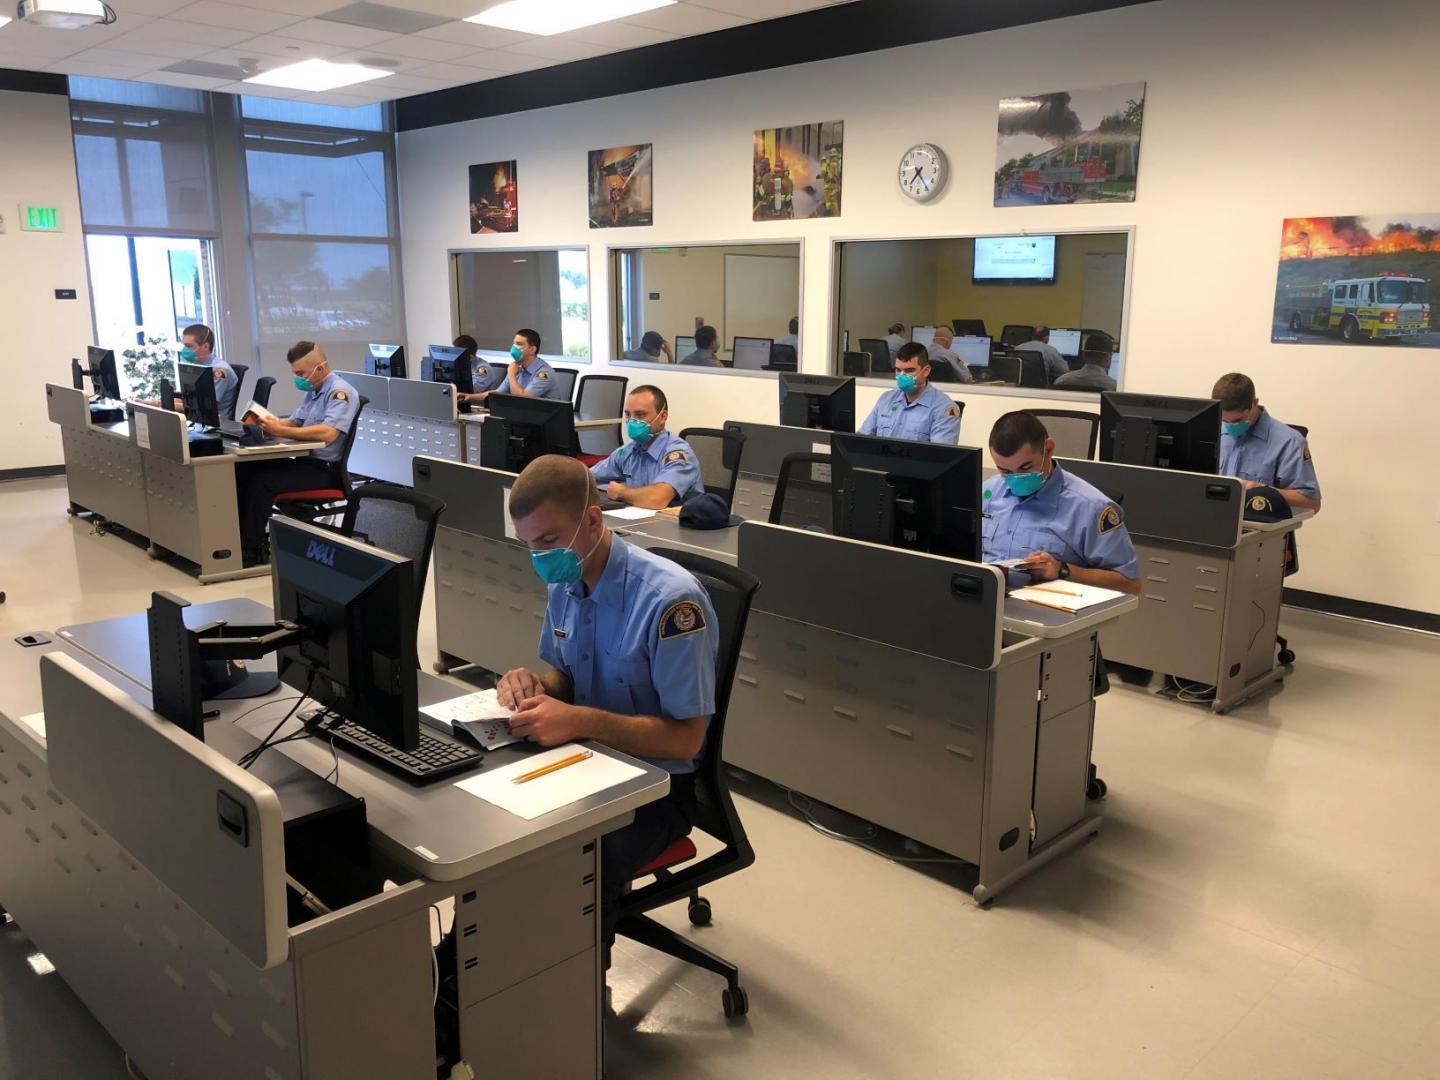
(4, 19)
(318, 75)
(546, 17)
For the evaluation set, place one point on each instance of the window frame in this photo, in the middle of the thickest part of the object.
(452, 257)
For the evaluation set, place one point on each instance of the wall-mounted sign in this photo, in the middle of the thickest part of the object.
(41, 218)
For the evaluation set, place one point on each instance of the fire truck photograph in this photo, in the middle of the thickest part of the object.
(1357, 280)
(1073, 146)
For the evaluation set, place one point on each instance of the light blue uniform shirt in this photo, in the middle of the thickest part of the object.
(1068, 517)
(668, 459)
(894, 341)
(948, 357)
(644, 643)
(485, 378)
(1270, 453)
(931, 417)
(227, 385)
(702, 358)
(335, 403)
(538, 380)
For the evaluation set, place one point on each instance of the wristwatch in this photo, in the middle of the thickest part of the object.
(1064, 570)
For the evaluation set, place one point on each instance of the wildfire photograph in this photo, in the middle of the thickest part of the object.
(1071, 146)
(494, 198)
(1357, 280)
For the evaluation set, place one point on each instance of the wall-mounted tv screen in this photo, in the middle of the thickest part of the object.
(1014, 260)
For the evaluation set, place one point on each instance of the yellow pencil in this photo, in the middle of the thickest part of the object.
(535, 774)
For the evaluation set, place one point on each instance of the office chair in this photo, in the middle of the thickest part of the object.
(1013, 334)
(855, 364)
(783, 358)
(1032, 370)
(1005, 368)
(601, 397)
(565, 380)
(498, 372)
(731, 591)
(879, 350)
(942, 371)
(261, 394)
(316, 503)
(719, 453)
(802, 493)
(1076, 434)
(399, 520)
(239, 370)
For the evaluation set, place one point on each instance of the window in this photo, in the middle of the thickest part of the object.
(1355, 291)
(1339, 292)
(498, 292)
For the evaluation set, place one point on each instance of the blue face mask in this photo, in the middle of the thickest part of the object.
(907, 382)
(1236, 428)
(516, 353)
(561, 566)
(1024, 484)
(187, 354)
(638, 430)
(303, 384)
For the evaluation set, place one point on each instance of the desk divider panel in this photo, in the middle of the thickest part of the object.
(766, 445)
(67, 406)
(167, 432)
(427, 400)
(1192, 508)
(934, 606)
(160, 793)
(374, 387)
(474, 496)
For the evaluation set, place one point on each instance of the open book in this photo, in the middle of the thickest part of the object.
(254, 412)
(1068, 596)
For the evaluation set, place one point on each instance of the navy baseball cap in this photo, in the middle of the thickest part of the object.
(1266, 504)
(707, 511)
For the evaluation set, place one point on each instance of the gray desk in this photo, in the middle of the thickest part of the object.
(177, 939)
(936, 720)
(1211, 582)
(140, 475)
(470, 428)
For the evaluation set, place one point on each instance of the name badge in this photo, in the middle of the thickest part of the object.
(559, 633)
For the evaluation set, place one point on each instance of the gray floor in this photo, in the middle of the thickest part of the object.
(1262, 901)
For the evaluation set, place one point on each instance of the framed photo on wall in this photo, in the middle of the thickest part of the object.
(798, 172)
(494, 198)
(1070, 146)
(622, 187)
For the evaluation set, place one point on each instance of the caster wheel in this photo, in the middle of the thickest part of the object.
(700, 912)
(736, 1002)
(1287, 657)
(1096, 790)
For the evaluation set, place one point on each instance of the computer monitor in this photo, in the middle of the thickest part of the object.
(1065, 342)
(104, 377)
(751, 353)
(969, 327)
(1161, 432)
(356, 604)
(975, 351)
(197, 391)
(817, 401)
(449, 364)
(923, 335)
(684, 346)
(521, 429)
(918, 495)
(1013, 334)
(387, 360)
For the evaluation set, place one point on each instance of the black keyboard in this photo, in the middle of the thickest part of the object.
(434, 759)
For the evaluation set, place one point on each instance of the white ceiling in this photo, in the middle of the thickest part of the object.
(153, 35)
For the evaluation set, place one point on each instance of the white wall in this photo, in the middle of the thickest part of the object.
(40, 333)
(1248, 121)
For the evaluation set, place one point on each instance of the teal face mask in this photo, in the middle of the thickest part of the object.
(187, 354)
(1236, 428)
(302, 383)
(1024, 484)
(516, 353)
(907, 382)
(638, 430)
(561, 566)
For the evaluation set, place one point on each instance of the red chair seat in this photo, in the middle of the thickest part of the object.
(320, 495)
(682, 850)
(592, 459)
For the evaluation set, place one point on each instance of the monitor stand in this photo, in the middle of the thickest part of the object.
(1136, 442)
(867, 508)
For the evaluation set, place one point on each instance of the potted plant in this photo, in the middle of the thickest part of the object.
(146, 365)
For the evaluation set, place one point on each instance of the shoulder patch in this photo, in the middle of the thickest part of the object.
(680, 619)
(339, 395)
(1305, 450)
(674, 455)
(954, 411)
(543, 375)
(219, 372)
(1109, 519)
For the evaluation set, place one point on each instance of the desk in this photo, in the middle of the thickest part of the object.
(952, 720)
(1211, 582)
(192, 982)
(140, 475)
(470, 426)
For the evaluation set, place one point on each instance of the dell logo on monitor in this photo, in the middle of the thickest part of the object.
(321, 553)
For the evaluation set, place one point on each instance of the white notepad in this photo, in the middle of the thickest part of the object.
(546, 793)
(36, 723)
(1068, 596)
(630, 513)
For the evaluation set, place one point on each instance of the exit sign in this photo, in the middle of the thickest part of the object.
(40, 218)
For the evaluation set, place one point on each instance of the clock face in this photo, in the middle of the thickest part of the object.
(923, 172)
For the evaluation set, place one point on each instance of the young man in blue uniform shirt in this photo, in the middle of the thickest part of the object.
(1260, 450)
(324, 415)
(914, 409)
(632, 644)
(529, 376)
(197, 346)
(656, 468)
(1061, 527)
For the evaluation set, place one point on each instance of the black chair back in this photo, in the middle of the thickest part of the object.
(1005, 367)
(1032, 369)
(731, 591)
(565, 381)
(601, 397)
(783, 358)
(855, 364)
(1076, 434)
(261, 394)
(240, 370)
(399, 520)
(879, 350)
(942, 371)
(1302, 429)
(802, 494)
(342, 468)
(719, 454)
(1013, 334)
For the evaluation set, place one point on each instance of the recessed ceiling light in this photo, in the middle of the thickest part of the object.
(546, 17)
(317, 75)
(4, 19)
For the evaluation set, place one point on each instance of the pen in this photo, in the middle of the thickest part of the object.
(535, 774)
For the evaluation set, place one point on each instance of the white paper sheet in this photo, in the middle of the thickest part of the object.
(546, 793)
(142, 429)
(1068, 596)
(505, 506)
(35, 722)
(630, 513)
(480, 715)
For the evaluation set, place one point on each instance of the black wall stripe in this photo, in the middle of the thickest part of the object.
(1363, 609)
(847, 30)
(34, 82)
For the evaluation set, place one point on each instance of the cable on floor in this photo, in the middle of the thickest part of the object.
(859, 841)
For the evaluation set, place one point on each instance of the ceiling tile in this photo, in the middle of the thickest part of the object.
(419, 47)
(127, 9)
(300, 8)
(179, 78)
(687, 19)
(617, 35)
(341, 34)
(121, 59)
(54, 44)
(288, 47)
(175, 30)
(79, 65)
(504, 60)
(259, 91)
(384, 17)
(380, 58)
(557, 48)
(451, 9)
(476, 36)
(414, 84)
(236, 16)
(21, 61)
(456, 75)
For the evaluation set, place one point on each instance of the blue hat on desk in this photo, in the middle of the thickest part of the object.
(707, 511)
(1266, 504)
